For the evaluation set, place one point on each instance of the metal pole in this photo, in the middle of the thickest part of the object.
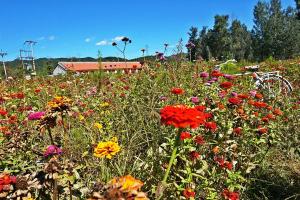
(2, 54)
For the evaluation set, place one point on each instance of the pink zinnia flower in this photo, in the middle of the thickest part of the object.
(52, 150)
(204, 74)
(253, 93)
(228, 76)
(195, 100)
(36, 115)
(234, 94)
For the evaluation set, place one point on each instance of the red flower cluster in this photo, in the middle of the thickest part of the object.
(194, 155)
(19, 95)
(199, 139)
(177, 91)
(243, 96)
(226, 85)
(212, 126)
(216, 73)
(185, 135)
(260, 104)
(230, 195)
(6, 181)
(234, 101)
(262, 130)
(188, 193)
(222, 163)
(237, 131)
(181, 116)
(277, 112)
(3, 112)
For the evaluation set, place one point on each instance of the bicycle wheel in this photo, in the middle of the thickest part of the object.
(272, 85)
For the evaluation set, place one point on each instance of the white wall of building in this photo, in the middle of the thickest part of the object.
(59, 71)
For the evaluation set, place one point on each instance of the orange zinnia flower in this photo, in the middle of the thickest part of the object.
(277, 112)
(177, 91)
(189, 193)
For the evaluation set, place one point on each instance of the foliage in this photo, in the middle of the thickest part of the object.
(275, 33)
(52, 126)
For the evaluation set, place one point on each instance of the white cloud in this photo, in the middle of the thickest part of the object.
(102, 43)
(118, 38)
(52, 37)
(41, 38)
(87, 39)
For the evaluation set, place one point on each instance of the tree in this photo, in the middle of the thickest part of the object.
(193, 43)
(240, 41)
(298, 8)
(276, 31)
(219, 37)
(203, 50)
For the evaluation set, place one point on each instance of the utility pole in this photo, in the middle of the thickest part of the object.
(31, 44)
(2, 54)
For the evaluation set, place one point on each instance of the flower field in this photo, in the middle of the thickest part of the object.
(175, 130)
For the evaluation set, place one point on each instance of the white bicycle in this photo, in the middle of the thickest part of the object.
(271, 84)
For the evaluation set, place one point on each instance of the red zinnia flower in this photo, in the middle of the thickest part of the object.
(188, 193)
(243, 96)
(3, 112)
(177, 91)
(262, 130)
(200, 108)
(258, 96)
(270, 116)
(199, 139)
(216, 73)
(226, 85)
(185, 135)
(228, 165)
(277, 112)
(211, 126)
(194, 155)
(181, 116)
(237, 131)
(265, 119)
(234, 101)
(230, 195)
(260, 104)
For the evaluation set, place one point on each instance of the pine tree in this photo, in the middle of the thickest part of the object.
(219, 38)
(240, 41)
(193, 39)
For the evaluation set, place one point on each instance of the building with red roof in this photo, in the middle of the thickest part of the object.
(109, 67)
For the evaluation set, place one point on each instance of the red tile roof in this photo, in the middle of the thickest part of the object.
(92, 66)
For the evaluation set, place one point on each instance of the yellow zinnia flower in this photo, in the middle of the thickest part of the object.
(107, 149)
(81, 117)
(105, 104)
(127, 183)
(98, 125)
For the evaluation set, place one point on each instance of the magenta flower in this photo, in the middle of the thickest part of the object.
(253, 93)
(222, 94)
(163, 98)
(228, 76)
(210, 81)
(215, 79)
(52, 150)
(195, 100)
(35, 115)
(234, 94)
(204, 74)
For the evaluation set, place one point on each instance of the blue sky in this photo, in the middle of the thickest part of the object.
(67, 28)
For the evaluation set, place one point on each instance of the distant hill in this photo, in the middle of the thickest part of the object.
(46, 65)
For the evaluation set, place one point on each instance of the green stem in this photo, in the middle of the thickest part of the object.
(50, 135)
(173, 156)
